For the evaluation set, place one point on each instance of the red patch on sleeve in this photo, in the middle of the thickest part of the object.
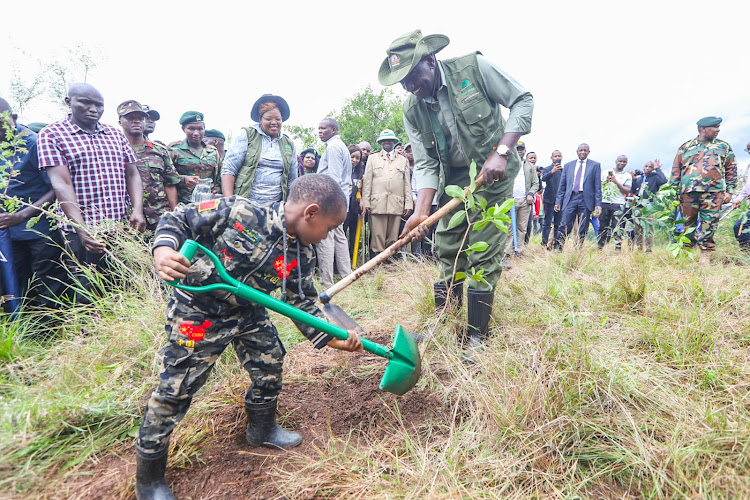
(208, 205)
(278, 264)
(194, 332)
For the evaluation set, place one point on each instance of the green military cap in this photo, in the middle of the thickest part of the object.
(405, 52)
(214, 133)
(191, 117)
(709, 121)
(36, 126)
(130, 106)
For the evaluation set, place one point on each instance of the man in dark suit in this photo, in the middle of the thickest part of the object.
(579, 194)
(551, 177)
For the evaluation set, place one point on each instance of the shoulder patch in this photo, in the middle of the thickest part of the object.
(208, 205)
(173, 144)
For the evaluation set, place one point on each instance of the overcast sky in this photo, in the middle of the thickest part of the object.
(627, 78)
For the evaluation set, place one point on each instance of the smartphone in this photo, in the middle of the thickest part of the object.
(557, 162)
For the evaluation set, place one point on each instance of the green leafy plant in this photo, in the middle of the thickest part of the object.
(479, 216)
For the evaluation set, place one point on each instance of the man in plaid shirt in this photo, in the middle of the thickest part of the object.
(92, 169)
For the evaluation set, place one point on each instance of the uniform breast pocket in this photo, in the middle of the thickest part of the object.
(478, 117)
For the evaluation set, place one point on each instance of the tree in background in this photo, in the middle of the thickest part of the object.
(367, 113)
(304, 137)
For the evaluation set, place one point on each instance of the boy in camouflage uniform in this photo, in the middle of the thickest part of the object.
(266, 248)
(705, 171)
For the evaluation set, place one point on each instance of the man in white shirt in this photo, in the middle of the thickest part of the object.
(525, 184)
(615, 185)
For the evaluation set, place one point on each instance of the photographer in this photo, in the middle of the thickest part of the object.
(551, 178)
(615, 185)
(645, 183)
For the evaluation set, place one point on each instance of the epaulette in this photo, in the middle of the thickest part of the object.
(173, 144)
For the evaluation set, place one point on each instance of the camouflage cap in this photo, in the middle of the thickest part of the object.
(36, 126)
(191, 117)
(215, 133)
(130, 106)
(405, 52)
(709, 121)
(151, 112)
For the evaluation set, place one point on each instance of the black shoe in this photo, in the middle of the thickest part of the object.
(479, 304)
(504, 262)
(262, 429)
(150, 481)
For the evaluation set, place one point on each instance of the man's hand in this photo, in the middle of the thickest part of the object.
(597, 212)
(657, 164)
(414, 221)
(191, 181)
(633, 175)
(352, 344)
(407, 212)
(557, 208)
(529, 200)
(736, 203)
(170, 264)
(10, 219)
(137, 221)
(494, 168)
(556, 168)
(727, 198)
(91, 244)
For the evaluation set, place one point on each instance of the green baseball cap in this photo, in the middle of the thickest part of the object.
(131, 106)
(405, 52)
(709, 121)
(191, 117)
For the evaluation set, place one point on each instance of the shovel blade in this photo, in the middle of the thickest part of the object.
(405, 365)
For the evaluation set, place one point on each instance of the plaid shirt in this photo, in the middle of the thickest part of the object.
(97, 167)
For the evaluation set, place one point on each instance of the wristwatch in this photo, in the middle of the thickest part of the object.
(502, 150)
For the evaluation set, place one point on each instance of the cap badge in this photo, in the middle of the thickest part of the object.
(395, 60)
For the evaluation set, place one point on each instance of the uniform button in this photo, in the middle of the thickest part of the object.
(479, 116)
(236, 243)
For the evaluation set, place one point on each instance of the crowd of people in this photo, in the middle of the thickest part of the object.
(260, 197)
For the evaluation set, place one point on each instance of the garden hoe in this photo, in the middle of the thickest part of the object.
(404, 364)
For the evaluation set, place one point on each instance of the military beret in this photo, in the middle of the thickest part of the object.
(308, 150)
(709, 121)
(214, 133)
(36, 126)
(191, 117)
(131, 106)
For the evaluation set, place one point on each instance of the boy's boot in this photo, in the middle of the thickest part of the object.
(262, 429)
(150, 482)
(480, 309)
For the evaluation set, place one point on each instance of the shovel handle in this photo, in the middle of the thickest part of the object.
(326, 295)
(231, 285)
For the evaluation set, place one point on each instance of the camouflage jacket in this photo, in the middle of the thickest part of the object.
(156, 171)
(249, 240)
(704, 167)
(205, 166)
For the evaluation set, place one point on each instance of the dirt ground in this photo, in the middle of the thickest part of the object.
(326, 393)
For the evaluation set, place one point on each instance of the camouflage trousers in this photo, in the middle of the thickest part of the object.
(197, 335)
(742, 231)
(695, 204)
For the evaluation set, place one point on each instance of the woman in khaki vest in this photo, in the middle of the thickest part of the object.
(386, 193)
(261, 162)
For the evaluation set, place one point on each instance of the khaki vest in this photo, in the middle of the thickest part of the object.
(479, 122)
(243, 184)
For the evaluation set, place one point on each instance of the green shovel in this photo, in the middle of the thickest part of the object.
(404, 363)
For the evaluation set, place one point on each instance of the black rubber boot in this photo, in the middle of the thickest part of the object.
(441, 293)
(150, 481)
(262, 429)
(480, 310)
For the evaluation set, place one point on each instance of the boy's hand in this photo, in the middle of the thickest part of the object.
(352, 344)
(170, 264)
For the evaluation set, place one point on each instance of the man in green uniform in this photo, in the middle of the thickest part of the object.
(193, 158)
(160, 179)
(454, 117)
(216, 139)
(705, 171)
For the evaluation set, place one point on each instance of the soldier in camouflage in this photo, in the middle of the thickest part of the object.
(158, 175)
(742, 226)
(705, 171)
(193, 158)
(266, 248)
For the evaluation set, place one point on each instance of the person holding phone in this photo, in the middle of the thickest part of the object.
(551, 177)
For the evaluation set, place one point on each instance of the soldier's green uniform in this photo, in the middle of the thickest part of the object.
(703, 171)
(205, 166)
(157, 171)
(252, 242)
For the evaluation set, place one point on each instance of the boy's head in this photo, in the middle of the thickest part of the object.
(315, 206)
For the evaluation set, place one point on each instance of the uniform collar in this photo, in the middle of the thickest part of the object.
(429, 99)
(184, 145)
